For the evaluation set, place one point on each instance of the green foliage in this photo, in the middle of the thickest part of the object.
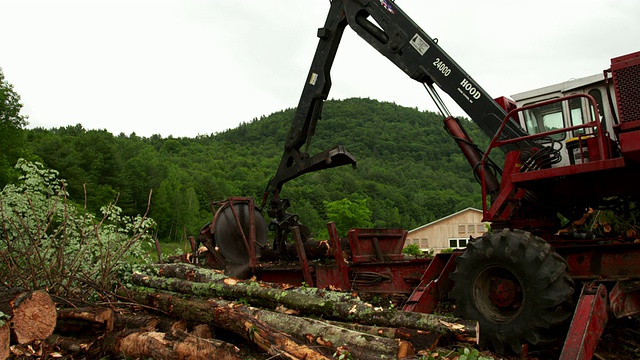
(342, 353)
(409, 169)
(3, 317)
(459, 354)
(10, 105)
(610, 223)
(446, 251)
(347, 214)
(11, 131)
(471, 354)
(47, 242)
(412, 249)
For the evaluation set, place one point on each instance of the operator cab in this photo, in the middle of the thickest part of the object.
(567, 113)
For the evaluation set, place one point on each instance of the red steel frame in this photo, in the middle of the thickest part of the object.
(609, 273)
(511, 170)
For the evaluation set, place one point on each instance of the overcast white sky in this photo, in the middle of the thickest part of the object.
(189, 67)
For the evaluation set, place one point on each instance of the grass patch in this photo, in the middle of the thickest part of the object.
(168, 249)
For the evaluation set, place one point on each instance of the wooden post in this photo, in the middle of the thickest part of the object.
(302, 256)
(345, 283)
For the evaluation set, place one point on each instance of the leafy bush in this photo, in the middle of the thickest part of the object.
(347, 214)
(48, 242)
(412, 249)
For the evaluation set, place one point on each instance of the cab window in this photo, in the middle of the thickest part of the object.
(545, 118)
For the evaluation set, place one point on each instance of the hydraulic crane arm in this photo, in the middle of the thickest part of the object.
(390, 31)
(399, 39)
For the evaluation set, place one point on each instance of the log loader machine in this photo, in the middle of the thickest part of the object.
(536, 277)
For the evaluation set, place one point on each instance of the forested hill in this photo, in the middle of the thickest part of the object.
(409, 170)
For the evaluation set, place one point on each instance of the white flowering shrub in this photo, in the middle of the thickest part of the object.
(46, 241)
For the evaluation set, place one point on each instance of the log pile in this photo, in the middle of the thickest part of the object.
(189, 279)
(33, 327)
(282, 320)
(150, 337)
(175, 314)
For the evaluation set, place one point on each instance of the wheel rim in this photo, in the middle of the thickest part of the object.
(497, 294)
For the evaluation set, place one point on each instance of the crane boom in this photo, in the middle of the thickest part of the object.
(383, 25)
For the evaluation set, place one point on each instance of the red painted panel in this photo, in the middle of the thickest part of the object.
(630, 144)
(587, 325)
(365, 244)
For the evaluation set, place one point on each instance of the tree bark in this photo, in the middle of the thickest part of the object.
(325, 337)
(420, 339)
(74, 345)
(307, 331)
(160, 346)
(5, 337)
(194, 347)
(85, 319)
(361, 346)
(203, 331)
(33, 314)
(231, 317)
(329, 304)
(146, 342)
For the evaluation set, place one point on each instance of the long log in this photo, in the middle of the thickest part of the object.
(420, 339)
(194, 347)
(234, 318)
(313, 301)
(160, 346)
(361, 346)
(33, 314)
(316, 333)
(308, 331)
(85, 319)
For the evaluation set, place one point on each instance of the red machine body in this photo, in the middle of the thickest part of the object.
(625, 71)
(570, 151)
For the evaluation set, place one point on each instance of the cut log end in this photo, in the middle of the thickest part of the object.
(34, 317)
(405, 350)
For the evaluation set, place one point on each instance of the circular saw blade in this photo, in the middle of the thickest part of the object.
(228, 232)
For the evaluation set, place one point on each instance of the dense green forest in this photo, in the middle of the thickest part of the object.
(410, 172)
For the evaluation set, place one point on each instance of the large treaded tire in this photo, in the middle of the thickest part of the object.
(516, 286)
